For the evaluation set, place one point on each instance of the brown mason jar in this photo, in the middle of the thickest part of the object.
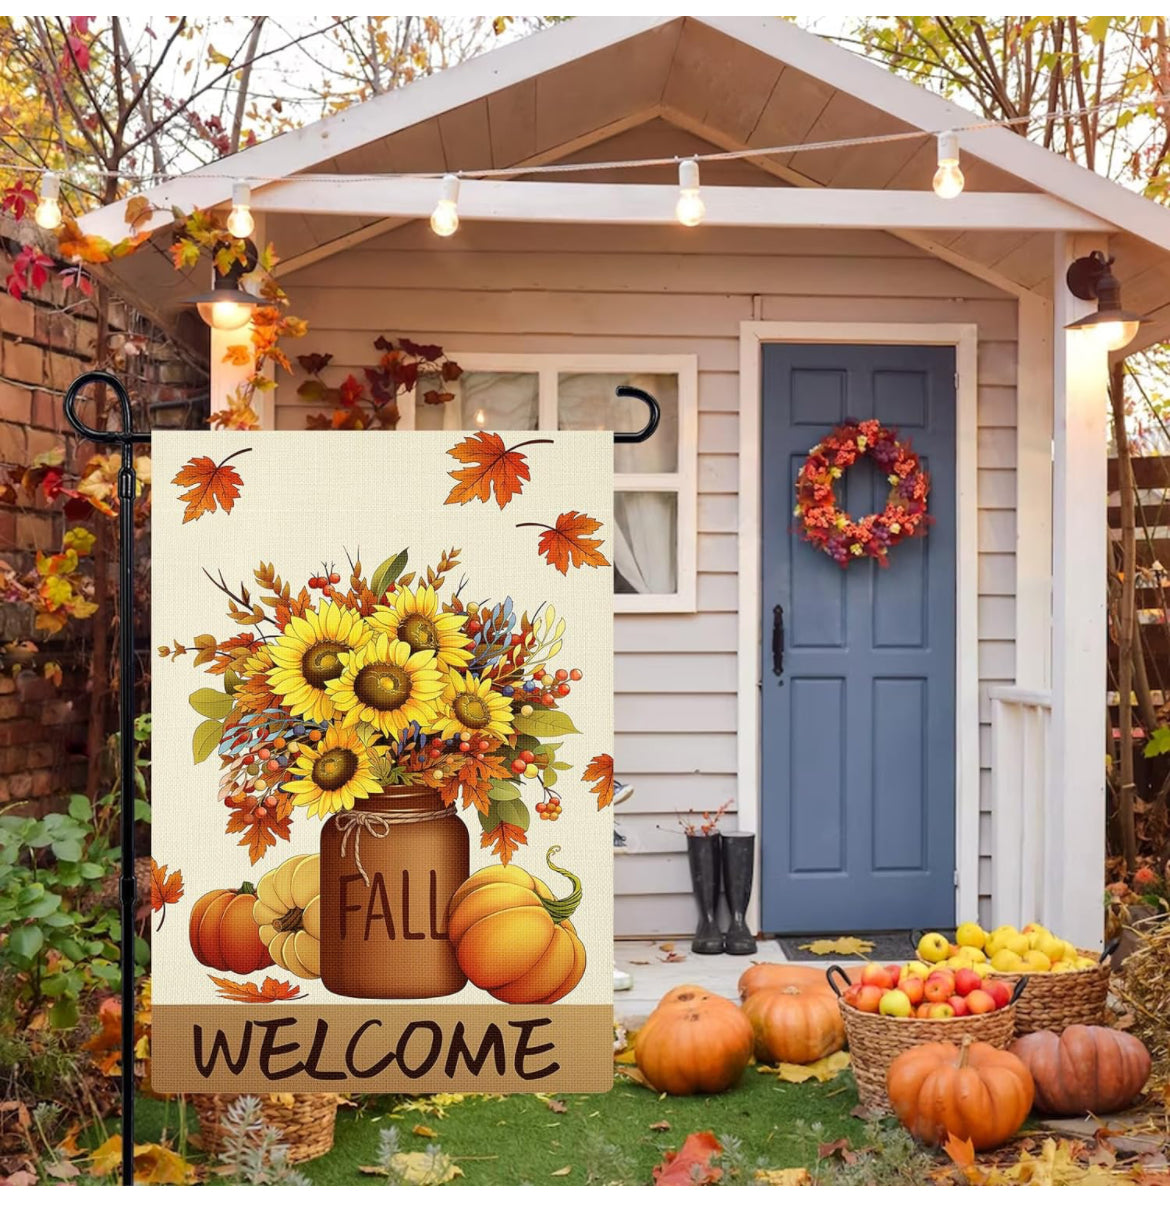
(389, 867)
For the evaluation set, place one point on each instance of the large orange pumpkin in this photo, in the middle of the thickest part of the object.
(696, 1043)
(1085, 1069)
(513, 937)
(769, 975)
(974, 1092)
(223, 933)
(795, 1023)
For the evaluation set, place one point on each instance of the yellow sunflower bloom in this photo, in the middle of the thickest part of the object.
(414, 617)
(387, 685)
(471, 705)
(334, 775)
(308, 654)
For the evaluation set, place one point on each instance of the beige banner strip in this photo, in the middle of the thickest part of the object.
(381, 1048)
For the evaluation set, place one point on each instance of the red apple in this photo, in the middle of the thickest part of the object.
(940, 1011)
(980, 1001)
(914, 988)
(923, 1010)
(1000, 991)
(869, 998)
(895, 970)
(940, 986)
(879, 976)
(966, 981)
(959, 1005)
(851, 993)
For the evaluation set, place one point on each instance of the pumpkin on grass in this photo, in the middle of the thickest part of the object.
(795, 1023)
(223, 934)
(288, 913)
(770, 975)
(513, 937)
(974, 1092)
(696, 1043)
(1084, 1069)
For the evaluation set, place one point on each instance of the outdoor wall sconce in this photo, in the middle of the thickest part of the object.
(1091, 277)
(226, 306)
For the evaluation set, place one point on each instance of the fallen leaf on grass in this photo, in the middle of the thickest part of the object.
(635, 1075)
(962, 1152)
(783, 1177)
(662, 1126)
(820, 1070)
(562, 1172)
(838, 946)
(247, 993)
(691, 1164)
(557, 1107)
(154, 1165)
(426, 1132)
(424, 1168)
(842, 1148)
(21, 1178)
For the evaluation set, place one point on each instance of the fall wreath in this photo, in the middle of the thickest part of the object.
(831, 529)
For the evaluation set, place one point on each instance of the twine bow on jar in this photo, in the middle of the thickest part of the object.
(375, 823)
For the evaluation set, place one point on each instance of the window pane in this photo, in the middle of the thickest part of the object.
(587, 401)
(645, 542)
(483, 400)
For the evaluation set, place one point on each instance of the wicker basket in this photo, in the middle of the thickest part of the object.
(1056, 999)
(875, 1040)
(305, 1126)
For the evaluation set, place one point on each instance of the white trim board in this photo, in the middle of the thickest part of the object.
(754, 335)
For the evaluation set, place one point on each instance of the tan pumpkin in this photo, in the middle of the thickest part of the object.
(769, 975)
(795, 1023)
(1084, 1069)
(974, 1092)
(288, 912)
(697, 1043)
(223, 934)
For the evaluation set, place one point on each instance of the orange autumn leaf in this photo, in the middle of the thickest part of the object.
(505, 839)
(212, 485)
(164, 889)
(238, 355)
(247, 993)
(491, 466)
(599, 771)
(962, 1152)
(569, 542)
(691, 1164)
(473, 777)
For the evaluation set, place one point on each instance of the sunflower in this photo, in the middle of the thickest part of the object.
(308, 655)
(333, 775)
(471, 705)
(414, 617)
(387, 685)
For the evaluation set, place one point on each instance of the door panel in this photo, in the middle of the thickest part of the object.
(858, 733)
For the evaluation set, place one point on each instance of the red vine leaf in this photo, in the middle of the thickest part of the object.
(248, 993)
(211, 485)
(505, 839)
(599, 771)
(569, 542)
(490, 466)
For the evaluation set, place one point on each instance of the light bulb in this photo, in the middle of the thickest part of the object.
(240, 222)
(690, 208)
(48, 211)
(480, 416)
(225, 314)
(445, 216)
(1116, 334)
(948, 180)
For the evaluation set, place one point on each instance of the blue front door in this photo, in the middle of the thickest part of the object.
(858, 730)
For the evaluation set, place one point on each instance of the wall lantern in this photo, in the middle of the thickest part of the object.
(1091, 277)
(226, 306)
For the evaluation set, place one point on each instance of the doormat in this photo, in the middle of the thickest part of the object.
(894, 946)
(382, 714)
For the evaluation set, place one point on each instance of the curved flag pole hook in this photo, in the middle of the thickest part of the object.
(651, 425)
(126, 439)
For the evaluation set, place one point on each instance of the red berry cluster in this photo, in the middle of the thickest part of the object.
(545, 687)
(323, 582)
(550, 809)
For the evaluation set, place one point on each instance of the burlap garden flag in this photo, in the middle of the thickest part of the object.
(382, 717)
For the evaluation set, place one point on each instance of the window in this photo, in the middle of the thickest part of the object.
(654, 482)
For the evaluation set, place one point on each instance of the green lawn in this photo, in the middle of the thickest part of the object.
(600, 1137)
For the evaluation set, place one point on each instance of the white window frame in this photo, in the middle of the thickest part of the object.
(683, 481)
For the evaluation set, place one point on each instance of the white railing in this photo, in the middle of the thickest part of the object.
(1020, 721)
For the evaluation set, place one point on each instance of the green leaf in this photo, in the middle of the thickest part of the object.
(548, 723)
(211, 703)
(141, 807)
(503, 791)
(26, 940)
(206, 739)
(387, 572)
(63, 1015)
(80, 807)
(67, 850)
(231, 679)
(514, 812)
(48, 903)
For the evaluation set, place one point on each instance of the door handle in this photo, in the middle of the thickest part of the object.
(778, 640)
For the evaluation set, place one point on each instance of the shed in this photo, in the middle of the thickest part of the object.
(913, 744)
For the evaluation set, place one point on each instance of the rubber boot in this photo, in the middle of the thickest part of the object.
(739, 855)
(703, 851)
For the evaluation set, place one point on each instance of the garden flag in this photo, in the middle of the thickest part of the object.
(382, 698)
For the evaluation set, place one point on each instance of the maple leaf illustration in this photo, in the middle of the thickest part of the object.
(599, 771)
(211, 485)
(568, 542)
(473, 776)
(247, 993)
(505, 839)
(164, 889)
(491, 467)
(259, 832)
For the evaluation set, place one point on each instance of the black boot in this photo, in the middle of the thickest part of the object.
(703, 851)
(739, 852)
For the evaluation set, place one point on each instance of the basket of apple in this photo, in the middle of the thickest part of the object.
(1067, 986)
(896, 1006)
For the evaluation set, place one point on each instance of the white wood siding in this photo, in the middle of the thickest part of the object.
(573, 289)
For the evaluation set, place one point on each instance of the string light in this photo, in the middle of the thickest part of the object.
(240, 222)
(948, 180)
(48, 212)
(445, 216)
(690, 207)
